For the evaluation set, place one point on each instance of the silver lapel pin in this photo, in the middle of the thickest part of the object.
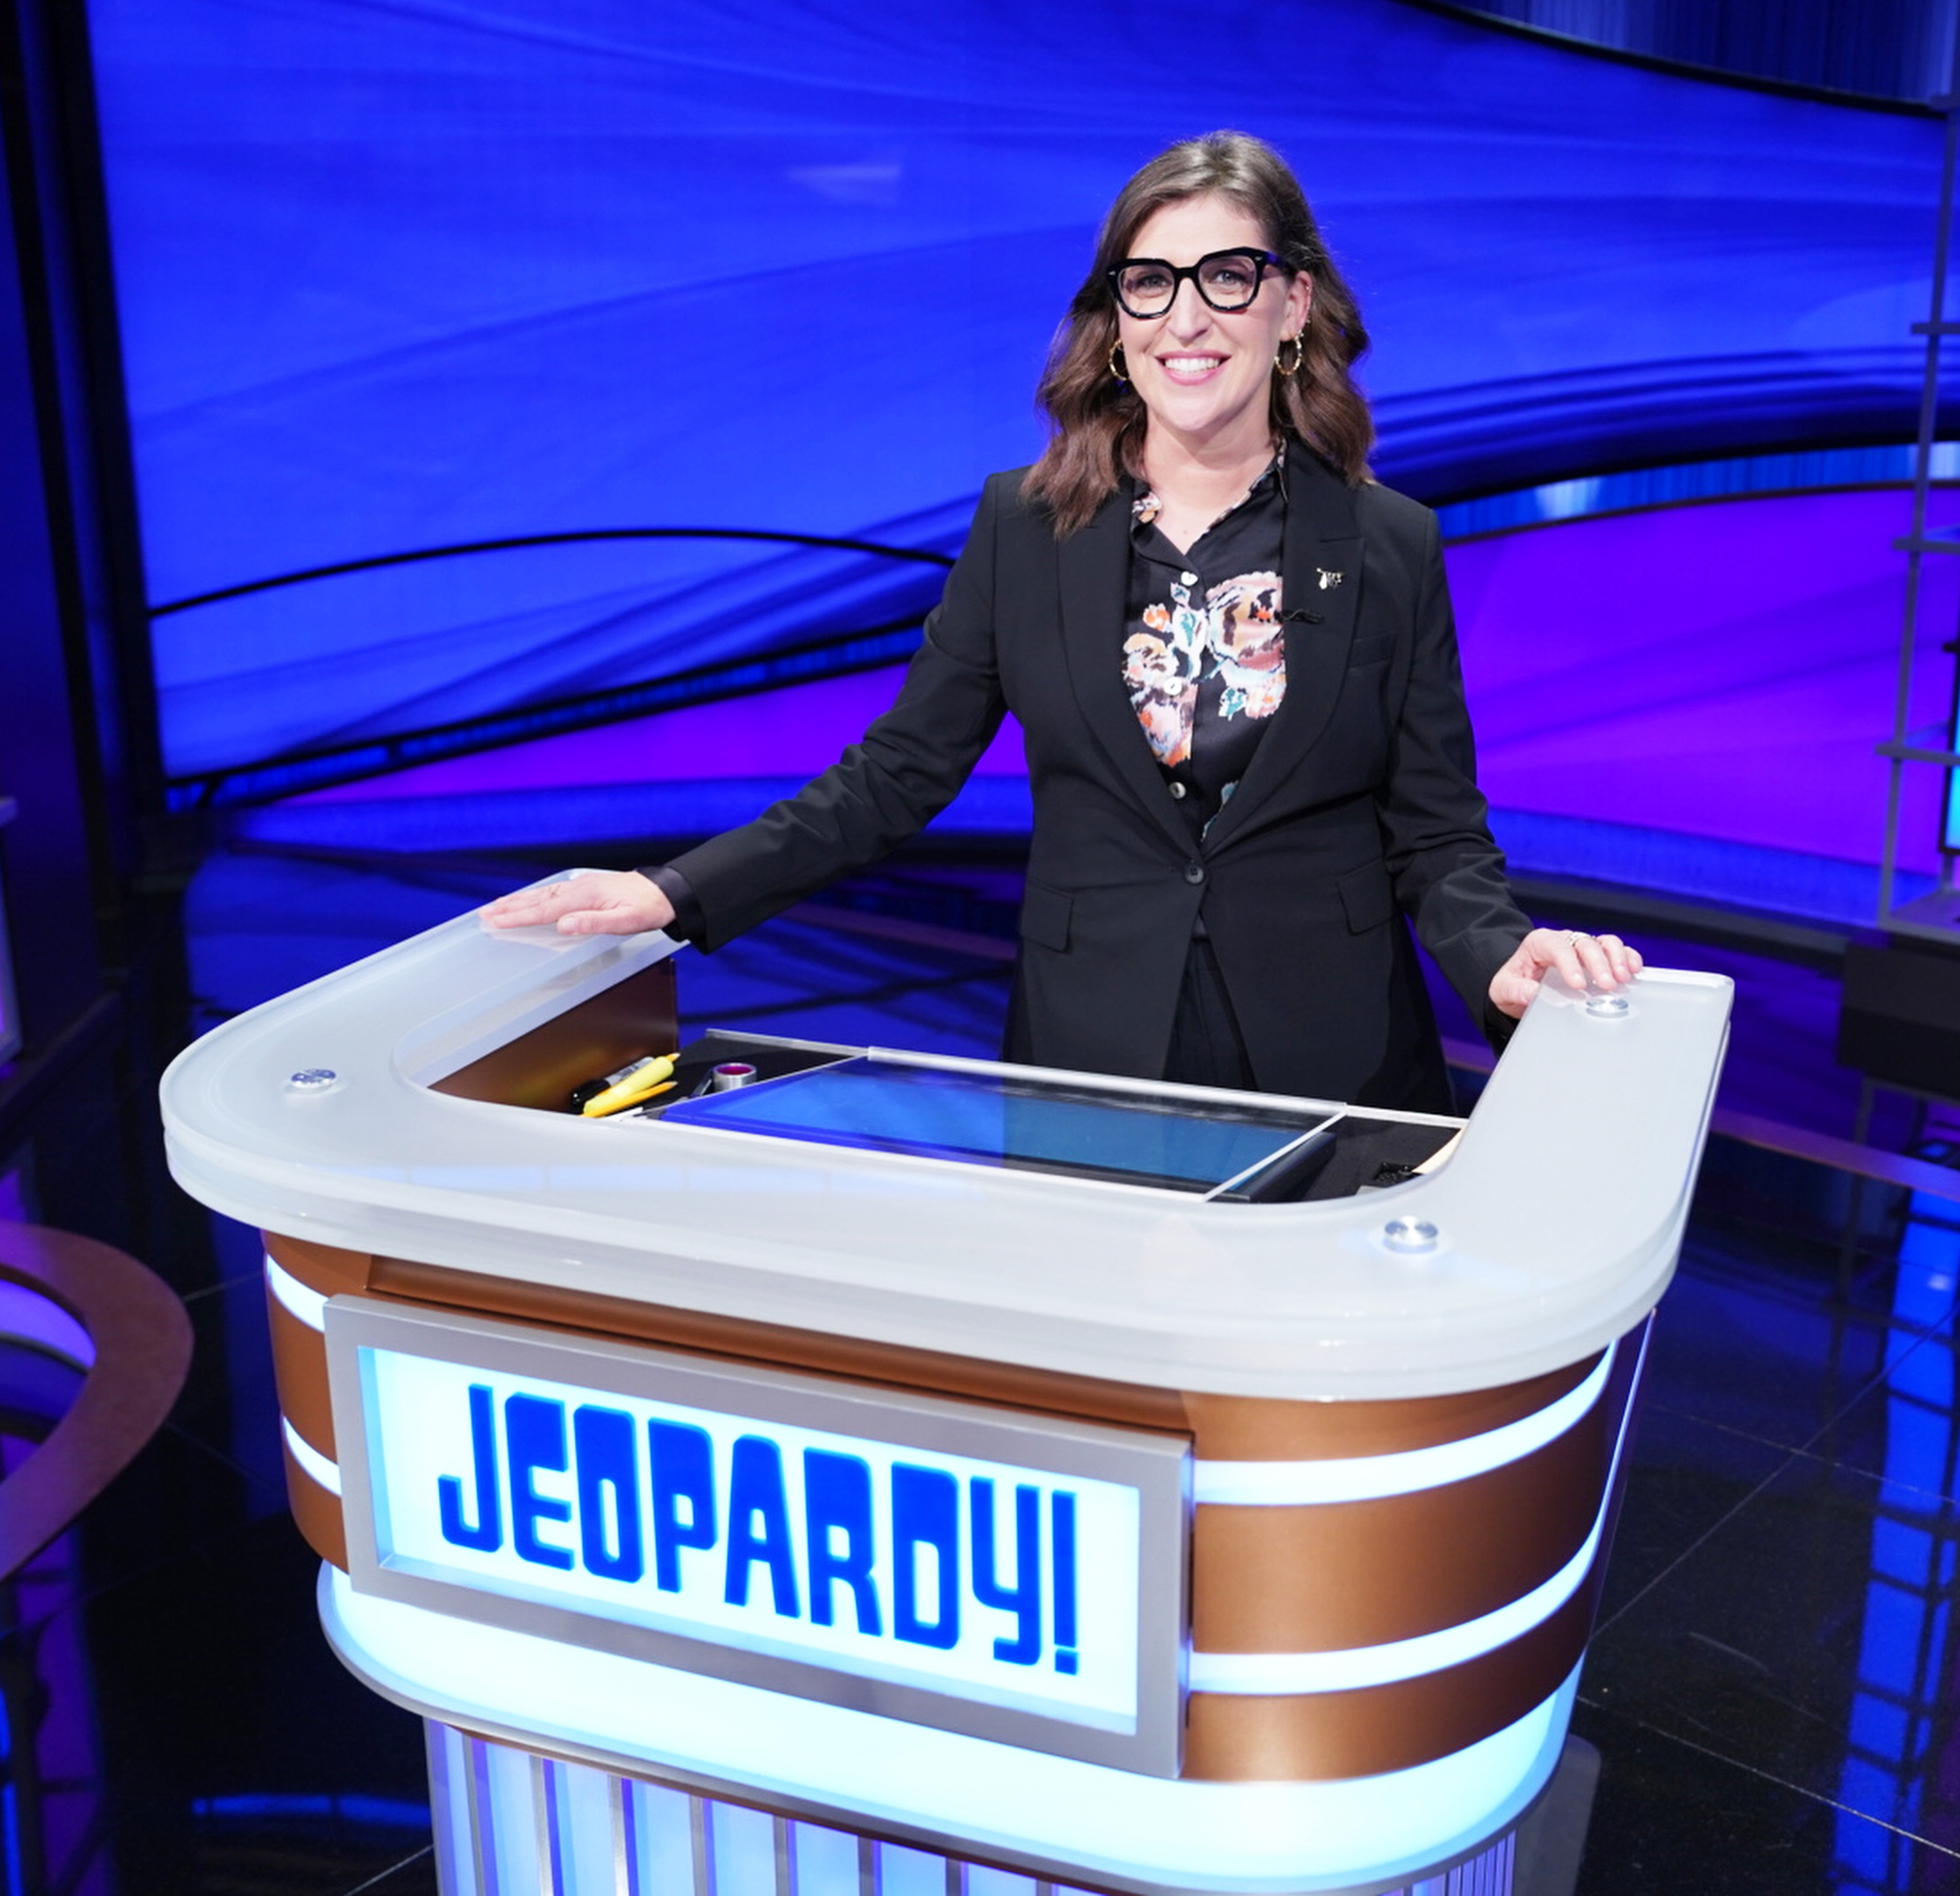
(1328, 581)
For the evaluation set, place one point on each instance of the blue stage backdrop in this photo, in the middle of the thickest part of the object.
(397, 277)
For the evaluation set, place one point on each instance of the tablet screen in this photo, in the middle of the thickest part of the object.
(998, 1119)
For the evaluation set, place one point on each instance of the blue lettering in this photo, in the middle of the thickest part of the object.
(1061, 1537)
(534, 1439)
(837, 1500)
(488, 1534)
(925, 1513)
(755, 1494)
(602, 1442)
(683, 1471)
(1023, 1599)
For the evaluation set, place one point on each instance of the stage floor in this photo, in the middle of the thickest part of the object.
(1767, 1687)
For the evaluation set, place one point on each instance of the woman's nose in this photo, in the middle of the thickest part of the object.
(1189, 314)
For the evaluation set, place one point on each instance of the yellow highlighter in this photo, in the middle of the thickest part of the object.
(649, 1077)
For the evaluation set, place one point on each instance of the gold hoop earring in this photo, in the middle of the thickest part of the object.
(1116, 350)
(1298, 355)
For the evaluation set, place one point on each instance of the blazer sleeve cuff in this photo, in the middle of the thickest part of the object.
(1498, 1026)
(689, 923)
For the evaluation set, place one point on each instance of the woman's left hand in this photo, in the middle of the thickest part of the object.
(1604, 961)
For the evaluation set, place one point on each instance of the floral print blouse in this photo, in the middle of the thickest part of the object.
(1204, 649)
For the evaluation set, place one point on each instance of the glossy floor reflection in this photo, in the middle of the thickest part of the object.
(1768, 1687)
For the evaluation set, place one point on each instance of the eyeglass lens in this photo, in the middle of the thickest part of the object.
(1227, 280)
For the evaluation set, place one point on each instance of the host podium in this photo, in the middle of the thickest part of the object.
(903, 1472)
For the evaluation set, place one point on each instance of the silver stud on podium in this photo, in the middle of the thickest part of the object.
(1410, 1236)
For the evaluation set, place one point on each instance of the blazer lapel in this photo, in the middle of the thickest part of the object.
(1094, 574)
(1322, 577)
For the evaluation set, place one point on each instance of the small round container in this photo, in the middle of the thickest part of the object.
(731, 1074)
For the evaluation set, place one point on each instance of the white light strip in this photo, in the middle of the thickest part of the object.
(326, 1473)
(1264, 1674)
(1374, 1478)
(308, 1306)
(32, 1317)
(1267, 1674)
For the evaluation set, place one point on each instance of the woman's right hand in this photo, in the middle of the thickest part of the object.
(605, 901)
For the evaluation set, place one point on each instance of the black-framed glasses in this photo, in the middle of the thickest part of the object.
(1228, 280)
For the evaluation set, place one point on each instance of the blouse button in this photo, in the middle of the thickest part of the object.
(1187, 579)
(1177, 789)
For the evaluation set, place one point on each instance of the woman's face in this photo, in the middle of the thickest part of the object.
(1204, 374)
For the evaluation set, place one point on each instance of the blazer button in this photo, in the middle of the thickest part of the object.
(1177, 789)
(1194, 872)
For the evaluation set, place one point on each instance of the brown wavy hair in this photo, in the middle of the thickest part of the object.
(1096, 423)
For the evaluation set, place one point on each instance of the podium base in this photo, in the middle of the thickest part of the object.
(507, 1819)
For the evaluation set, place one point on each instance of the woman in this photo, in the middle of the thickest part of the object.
(1233, 656)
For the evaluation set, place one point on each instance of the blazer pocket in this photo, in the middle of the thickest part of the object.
(1366, 896)
(1372, 650)
(1045, 914)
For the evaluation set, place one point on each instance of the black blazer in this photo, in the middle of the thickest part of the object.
(1360, 806)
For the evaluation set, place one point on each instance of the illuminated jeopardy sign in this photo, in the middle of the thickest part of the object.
(1017, 1577)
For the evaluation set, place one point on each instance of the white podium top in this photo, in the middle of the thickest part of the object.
(1558, 1219)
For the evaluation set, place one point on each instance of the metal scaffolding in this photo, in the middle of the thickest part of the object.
(1934, 915)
